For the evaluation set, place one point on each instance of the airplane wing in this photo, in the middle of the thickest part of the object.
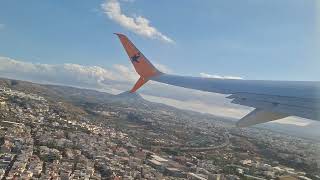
(272, 100)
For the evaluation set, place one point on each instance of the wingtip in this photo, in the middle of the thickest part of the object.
(119, 34)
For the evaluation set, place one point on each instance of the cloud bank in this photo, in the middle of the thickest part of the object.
(72, 74)
(138, 25)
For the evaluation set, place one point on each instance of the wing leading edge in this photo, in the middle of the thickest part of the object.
(273, 100)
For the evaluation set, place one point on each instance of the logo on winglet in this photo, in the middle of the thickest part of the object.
(135, 58)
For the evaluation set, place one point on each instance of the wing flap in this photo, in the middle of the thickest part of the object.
(258, 116)
(282, 105)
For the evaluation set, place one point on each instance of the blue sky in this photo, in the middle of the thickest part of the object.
(253, 39)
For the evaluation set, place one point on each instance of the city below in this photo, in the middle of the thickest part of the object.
(57, 132)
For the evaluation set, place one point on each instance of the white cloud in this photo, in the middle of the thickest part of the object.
(72, 74)
(162, 68)
(138, 25)
(126, 73)
(205, 75)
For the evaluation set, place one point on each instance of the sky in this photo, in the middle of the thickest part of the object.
(252, 39)
(72, 43)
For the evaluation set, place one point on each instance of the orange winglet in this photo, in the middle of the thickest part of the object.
(141, 81)
(141, 64)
